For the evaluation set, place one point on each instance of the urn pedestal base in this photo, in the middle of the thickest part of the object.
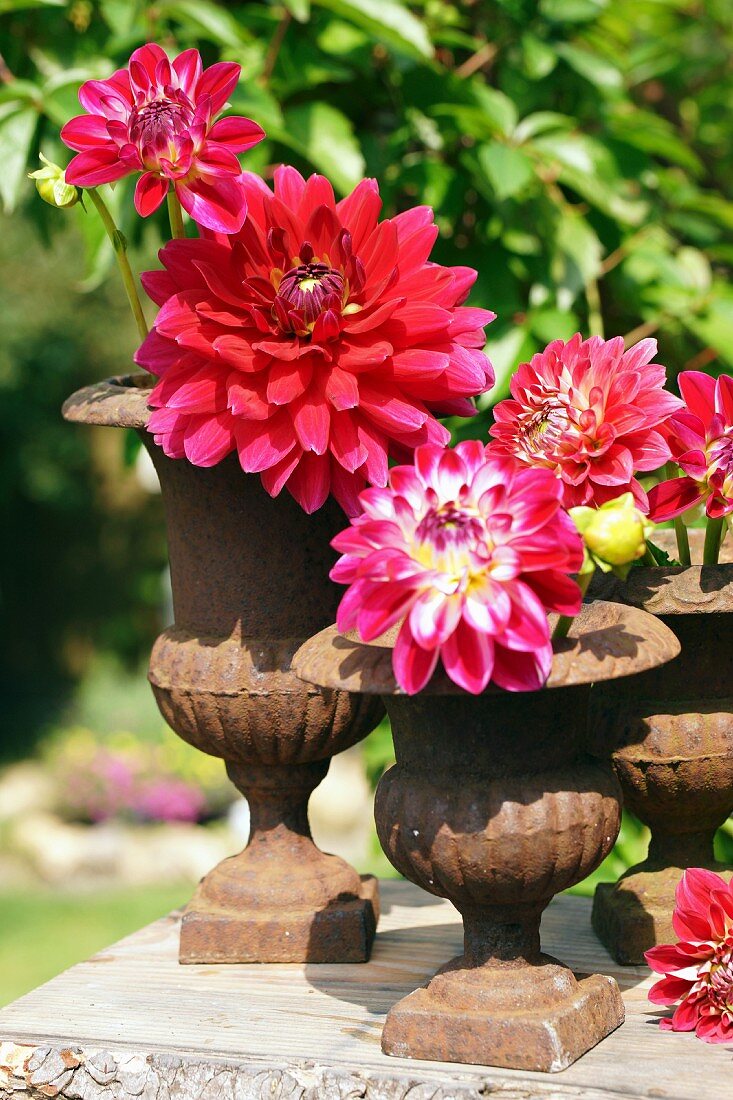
(538, 1018)
(341, 932)
(635, 914)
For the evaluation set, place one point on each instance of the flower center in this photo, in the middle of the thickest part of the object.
(453, 540)
(541, 430)
(307, 291)
(160, 121)
(721, 980)
(720, 464)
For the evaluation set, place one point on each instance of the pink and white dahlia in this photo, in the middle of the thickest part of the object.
(158, 117)
(317, 342)
(468, 553)
(698, 970)
(701, 441)
(591, 413)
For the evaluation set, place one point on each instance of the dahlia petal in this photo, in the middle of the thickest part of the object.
(247, 398)
(346, 488)
(698, 392)
(219, 81)
(359, 211)
(468, 658)
(346, 446)
(96, 166)
(263, 444)
(617, 467)
(649, 450)
(275, 478)
(342, 389)
(95, 95)
(724, 397)
(287, 381)
(310, 482)
(289, 185)
(218, 204)
(419, 364)
(669, 990)
(413, 666)
(434, 617)
(85, 132)
(208, 439)
(312, 423)
(150, 192)
(389, 411)
(522, 671)
(686, 1016)
(381, 607)
(672, 498)
(236, 132)
(556, 590)
(188, 68)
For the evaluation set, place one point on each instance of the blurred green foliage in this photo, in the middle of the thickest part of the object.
(577, 155)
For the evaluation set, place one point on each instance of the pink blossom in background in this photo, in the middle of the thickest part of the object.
(468, 553)
(316, 343)
(698, 970)
(158, 117)
(701, 441)
(170, 800)
(590, 412)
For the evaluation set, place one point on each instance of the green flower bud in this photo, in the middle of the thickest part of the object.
(52, 186)
(615, 534)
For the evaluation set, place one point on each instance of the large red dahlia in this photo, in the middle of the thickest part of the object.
(590, 412)
(317, 342)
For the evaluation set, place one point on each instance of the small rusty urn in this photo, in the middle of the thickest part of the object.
(672, 729)
(494, 803)
(250, 583)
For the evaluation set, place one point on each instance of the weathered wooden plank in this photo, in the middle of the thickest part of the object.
(131, 1022)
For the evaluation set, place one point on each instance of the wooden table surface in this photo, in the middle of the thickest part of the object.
(131, 1022)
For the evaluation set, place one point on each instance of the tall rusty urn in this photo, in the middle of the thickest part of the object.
(250, 583)
(672, 729)
(495, 804)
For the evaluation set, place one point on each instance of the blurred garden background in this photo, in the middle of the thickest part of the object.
(577, 153)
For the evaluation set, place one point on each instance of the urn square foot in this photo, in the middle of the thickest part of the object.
(635, 913)
(342, 932)
(540, 1037)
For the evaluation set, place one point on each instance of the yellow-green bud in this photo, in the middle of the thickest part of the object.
(615, 534)
(52, 186)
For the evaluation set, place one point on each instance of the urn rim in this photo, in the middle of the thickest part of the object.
(607, 641)
(117, 402)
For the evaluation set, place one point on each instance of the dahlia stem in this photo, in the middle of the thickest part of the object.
(175, 215)
(714, 531)
(566, 621)
(683, 540)
(119, 245)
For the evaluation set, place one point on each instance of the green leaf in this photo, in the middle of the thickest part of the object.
(17, 130)
(22, 5)
(210, 20)
(299, 9)
(552, 324)
(591, 66)
(496, 106)
(325, 136)
(541, 122)
(509, 170)
(388, 21)
(577, 259)
(572, 11)
(540, 58)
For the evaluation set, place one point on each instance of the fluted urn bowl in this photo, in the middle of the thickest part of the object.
(250, 583)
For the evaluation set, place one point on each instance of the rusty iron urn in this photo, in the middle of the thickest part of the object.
(672, 732)
(250, 583)
(495, 804)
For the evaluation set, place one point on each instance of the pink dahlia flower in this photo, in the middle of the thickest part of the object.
(317, 342)
(701, 441)
(157, 117)
(698, 971)
(468, 553)
(591, 413)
